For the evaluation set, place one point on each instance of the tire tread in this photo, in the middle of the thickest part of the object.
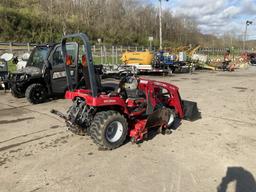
(98, 126)
(28, 93)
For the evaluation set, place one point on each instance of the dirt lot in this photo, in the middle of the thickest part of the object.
(38, 154)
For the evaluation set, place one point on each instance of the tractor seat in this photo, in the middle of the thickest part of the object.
(108, 86)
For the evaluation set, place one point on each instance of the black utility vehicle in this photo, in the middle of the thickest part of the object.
(44, 75)
(3, 74)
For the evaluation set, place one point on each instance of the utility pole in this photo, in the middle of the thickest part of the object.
(160, 24)
(247, 23)
(51, 10)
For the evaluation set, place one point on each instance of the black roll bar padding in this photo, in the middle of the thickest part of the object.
(88, 53)
(67, 68)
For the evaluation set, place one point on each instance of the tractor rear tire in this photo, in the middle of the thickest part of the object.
(108, 129)
(36, 93)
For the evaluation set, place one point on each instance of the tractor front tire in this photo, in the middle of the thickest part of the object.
(108, 129)
(36, 93)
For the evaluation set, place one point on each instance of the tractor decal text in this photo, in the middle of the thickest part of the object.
(109, 101)
(144, 81)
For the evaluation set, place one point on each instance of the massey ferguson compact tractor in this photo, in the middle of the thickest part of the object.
(110, 115)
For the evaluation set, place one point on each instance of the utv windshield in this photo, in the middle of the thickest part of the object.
(37, 57)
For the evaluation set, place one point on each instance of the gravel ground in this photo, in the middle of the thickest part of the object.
(219, 150)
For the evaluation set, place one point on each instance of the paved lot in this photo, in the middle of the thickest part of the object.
(38, 154)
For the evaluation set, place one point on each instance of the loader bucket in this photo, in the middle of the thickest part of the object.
(190, 109)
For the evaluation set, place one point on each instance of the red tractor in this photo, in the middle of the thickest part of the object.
(110, 115)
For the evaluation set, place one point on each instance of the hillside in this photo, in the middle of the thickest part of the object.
(126, 22)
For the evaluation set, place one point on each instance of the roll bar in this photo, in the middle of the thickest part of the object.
(89, 61)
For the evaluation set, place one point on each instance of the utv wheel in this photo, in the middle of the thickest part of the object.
(36, 93)
(109, 129)
(16, 94)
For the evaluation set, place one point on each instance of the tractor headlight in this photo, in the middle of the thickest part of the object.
(23, 77)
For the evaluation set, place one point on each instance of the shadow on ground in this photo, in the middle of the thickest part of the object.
(245, 181)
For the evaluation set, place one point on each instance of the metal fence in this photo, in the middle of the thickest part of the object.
(112, 54)
(12, 47)
(107, 54)
(102, 54)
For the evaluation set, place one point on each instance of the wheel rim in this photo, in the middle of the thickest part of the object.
(114, 131)
(38, 94)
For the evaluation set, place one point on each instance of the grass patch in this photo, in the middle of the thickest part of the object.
(106, 60)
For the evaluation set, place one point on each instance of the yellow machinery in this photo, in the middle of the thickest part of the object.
(146, 57)
(180, 49)
(192, 51)
(142, 60)
(137, 57)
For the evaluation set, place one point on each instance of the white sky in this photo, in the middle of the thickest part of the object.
(216, 16)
